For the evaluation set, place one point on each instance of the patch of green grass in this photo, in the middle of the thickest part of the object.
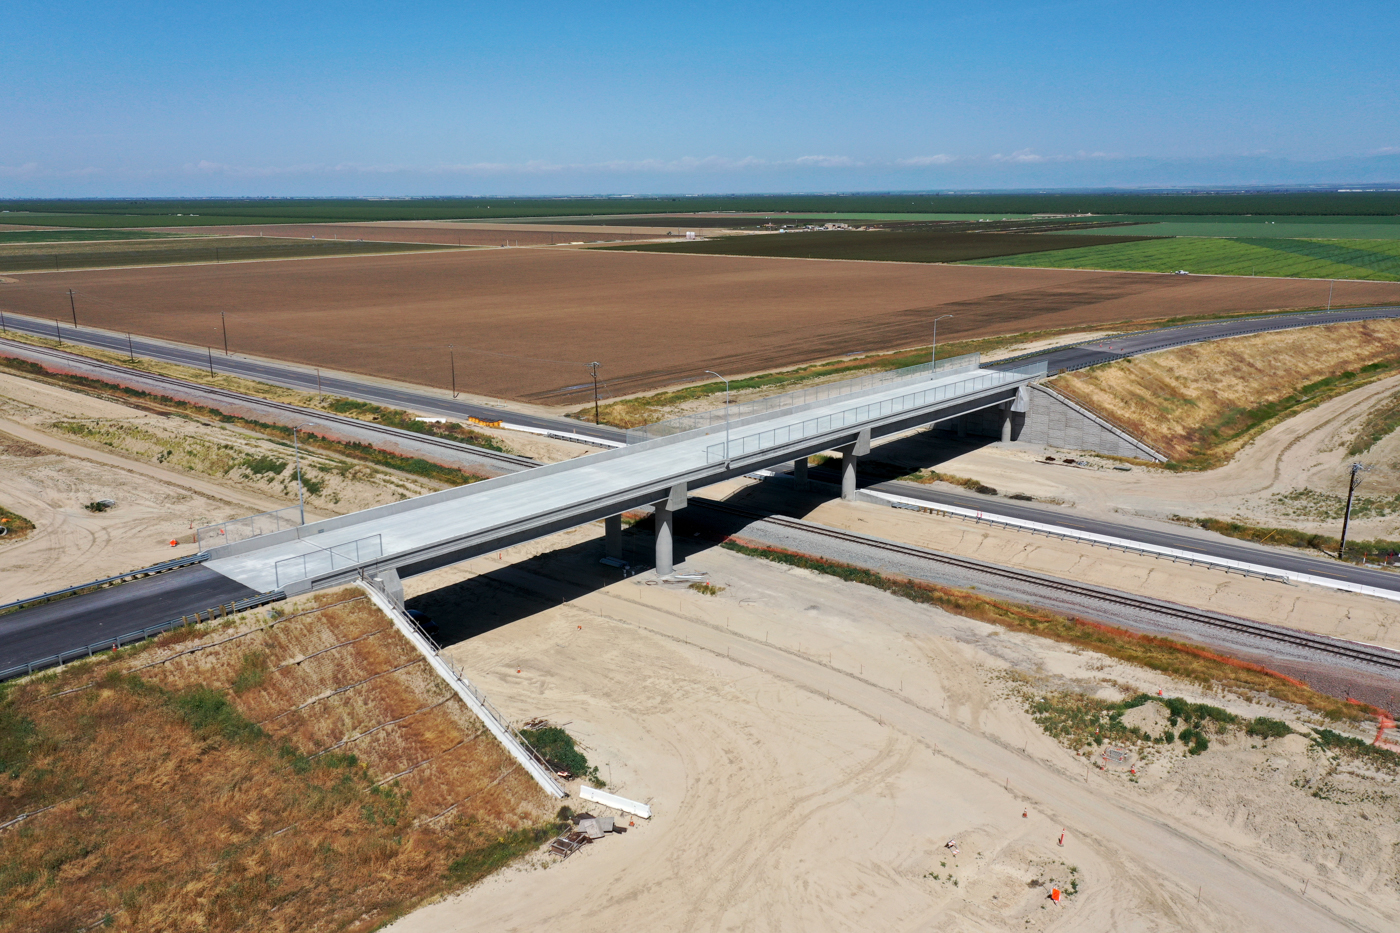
(396, 418)
(264, 465)
(53, 256)
(1265, 728)
(1077, 720)
(252, 672)
(1296, 258)
(66, 236)
(709, 589)
(559, 750)
(1356, 748)
(16, 526)
(477, 863)
(1377, 549)
(1381, 421)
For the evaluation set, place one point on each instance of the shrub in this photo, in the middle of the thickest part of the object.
(1266, 728)
(558, 750)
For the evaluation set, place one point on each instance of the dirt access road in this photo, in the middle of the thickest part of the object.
(524, 322)
(809, 745)
(440, 232)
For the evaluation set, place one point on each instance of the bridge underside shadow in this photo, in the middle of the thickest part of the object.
(494, 599)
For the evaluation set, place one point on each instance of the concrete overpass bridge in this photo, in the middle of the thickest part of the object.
(659, 466)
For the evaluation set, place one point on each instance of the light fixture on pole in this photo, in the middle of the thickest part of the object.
(933, 355)
(711, 372)
(593, 368)
(296, 447)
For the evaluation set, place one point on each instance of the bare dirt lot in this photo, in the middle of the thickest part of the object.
(524, 322)
(809, 746)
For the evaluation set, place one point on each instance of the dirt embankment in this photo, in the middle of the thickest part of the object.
(525, 322)
(216, 781)
(809, 746)
(1200, 404)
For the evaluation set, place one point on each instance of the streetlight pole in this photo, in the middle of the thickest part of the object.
(296, 446)
(224, 325)
(452, 362)
(933, 354)
(711, 372)
(593, 368)
(72, 306)
(1356, 470)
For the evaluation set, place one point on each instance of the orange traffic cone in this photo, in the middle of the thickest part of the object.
(174, 543)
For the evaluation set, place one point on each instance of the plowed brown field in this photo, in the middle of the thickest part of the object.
(524, 322)
(448, 234)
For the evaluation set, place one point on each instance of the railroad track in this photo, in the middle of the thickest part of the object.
(323, 417)
(1352, 651)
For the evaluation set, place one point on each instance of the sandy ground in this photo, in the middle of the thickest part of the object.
(1303, 606)
(1293, 475)
(60, 450)
(525, 321)
(808, 747)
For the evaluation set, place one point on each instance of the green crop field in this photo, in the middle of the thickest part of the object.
(53, 257)
(876, 245)
(1311, 259)
(67, 236)
(1306, 227)
(218, 211)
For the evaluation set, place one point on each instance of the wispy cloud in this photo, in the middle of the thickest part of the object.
(921, 161)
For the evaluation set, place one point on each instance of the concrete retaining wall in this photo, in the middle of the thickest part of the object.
(1055, 421)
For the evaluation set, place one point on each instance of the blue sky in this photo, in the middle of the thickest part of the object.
(463, 98)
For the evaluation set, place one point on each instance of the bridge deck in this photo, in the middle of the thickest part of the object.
(555, 496)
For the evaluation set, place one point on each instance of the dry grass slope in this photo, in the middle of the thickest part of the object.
(1200, 404)
(304, 773)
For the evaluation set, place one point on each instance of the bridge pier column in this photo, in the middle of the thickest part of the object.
(799, 472)
(849, 455)
(665, 528)
(962, 425)
(612, 532)
(665, 516)
(1006, 422)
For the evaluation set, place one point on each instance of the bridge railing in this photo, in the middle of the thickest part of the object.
(707, 419)
(860, 414)
(241, 529)
(327, 560)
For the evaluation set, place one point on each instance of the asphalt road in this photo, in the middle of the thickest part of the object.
(1149, 341)
(1215, 546)
(304, 379)
(79, 621)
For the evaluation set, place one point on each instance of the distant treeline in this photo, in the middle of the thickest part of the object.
(171, 212)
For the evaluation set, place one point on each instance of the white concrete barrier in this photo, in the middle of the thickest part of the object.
(614, 801)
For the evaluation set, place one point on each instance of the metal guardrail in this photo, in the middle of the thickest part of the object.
(707, 419)
(752, 443)
(327, 560)
(119, 578)
(130, 638)
(250, 526)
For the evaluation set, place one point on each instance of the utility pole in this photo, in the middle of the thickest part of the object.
(224, 326)
(1356, 470)
(933, 355)
(57, 333)
(211, 359)
(452, 362)
(593, 368)
(1329, 295)
(130, 353)
(319, 393)
(72, 306)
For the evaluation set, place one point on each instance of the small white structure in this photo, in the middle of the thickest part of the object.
(614, 801)
(690, 234)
